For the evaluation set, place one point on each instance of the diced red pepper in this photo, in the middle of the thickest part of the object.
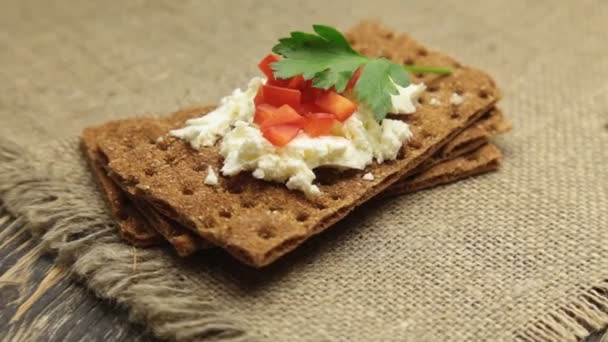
(284, 115)
(263, 112)
(259, 97)
(309, 107)
(336, 104)
(296, 82)
(265, 67)
(353, 80)
(318, 124)
(310, 93)
(280, 135)
(278, 96)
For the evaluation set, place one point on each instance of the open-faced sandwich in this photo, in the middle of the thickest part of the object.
(332, 121)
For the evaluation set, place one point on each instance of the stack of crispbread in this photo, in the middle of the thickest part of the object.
(154, 182)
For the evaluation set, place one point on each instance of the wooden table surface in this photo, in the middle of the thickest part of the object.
(40, 302)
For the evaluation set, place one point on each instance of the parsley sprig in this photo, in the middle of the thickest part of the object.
(327, 58)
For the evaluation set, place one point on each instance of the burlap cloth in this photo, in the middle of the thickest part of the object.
(520, 253)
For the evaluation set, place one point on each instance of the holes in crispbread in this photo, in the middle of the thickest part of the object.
(327, 176)
(337, 197)
(131, 180)
(414, 143)
(389, 35)
(247, 203)
(209, 222)
(408, 61)
(422, 52)
(432, 88)
(199, 167)
(266, 232)
(162, 145)
(275, 208)
(321, 205)
(169, 158)
(482, 93)
(150, 171)
(401, 155)
(455, 115)
(425, 134)
(188, 190)
(225, 213)
(302, 217)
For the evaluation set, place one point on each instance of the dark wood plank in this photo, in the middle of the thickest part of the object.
(39, 302)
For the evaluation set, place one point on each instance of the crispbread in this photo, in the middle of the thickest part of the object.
(186, 243)
(478, 134)
(491, 124)
(131, 226)
(484, 159)
(259, 221)
(138, 223)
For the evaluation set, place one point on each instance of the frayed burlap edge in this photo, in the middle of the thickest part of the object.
(85, 242)
(84, 239)
(579, 318)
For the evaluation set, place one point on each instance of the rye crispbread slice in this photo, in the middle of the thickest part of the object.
(186, 243)
(138, 223)
(259, 221)
(482, 160)
(131, 225)
(478, 134)
(183, 241)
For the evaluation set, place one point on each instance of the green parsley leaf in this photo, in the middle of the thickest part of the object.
(375, 85)
(327, 58)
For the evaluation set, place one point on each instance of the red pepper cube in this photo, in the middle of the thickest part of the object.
(280, 135)
(285, 115)
(265, 67)
(309, 107)
(336, 104)
(318, 124)
(259, 96)
(296, 82)
(278, 96)
(263, 113)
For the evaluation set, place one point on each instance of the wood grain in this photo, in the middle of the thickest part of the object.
(39, 302)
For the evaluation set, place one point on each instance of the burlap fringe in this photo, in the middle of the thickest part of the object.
(57, 212)
(587, 314)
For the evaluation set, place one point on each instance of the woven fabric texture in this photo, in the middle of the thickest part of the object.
(516, 254)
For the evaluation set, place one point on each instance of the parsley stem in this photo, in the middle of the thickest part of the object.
(427, 69)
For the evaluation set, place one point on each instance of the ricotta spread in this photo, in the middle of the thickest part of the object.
(360, 140)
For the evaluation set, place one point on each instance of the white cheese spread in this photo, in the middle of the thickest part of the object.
(211, 178)
(405, 101)
(456, 99)
(360, 141)
(368, 176)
